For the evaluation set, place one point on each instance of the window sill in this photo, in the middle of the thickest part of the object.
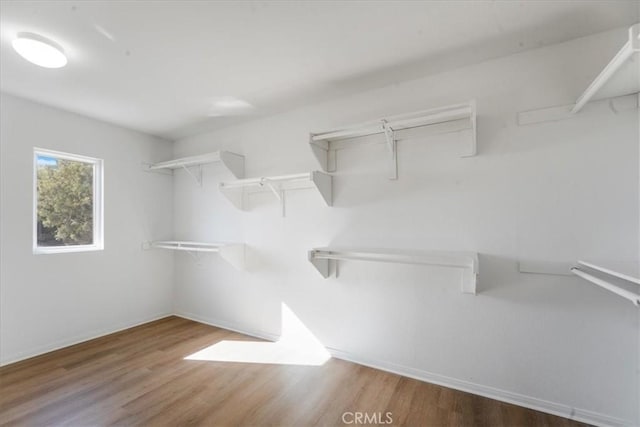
(66, 249)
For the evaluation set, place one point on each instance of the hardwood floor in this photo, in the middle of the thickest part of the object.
(139, 377)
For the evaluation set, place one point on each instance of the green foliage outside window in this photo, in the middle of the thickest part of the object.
(65, 203)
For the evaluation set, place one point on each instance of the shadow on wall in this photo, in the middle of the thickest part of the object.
(500, 279)
(496, 272)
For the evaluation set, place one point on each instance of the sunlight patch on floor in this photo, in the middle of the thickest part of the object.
(297, 346)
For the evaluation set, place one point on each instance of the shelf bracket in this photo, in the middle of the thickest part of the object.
(197, 177)
(321, 264)
(625, 54)
(279, 193)
(634, 38)
(392, 145)
(282, 204)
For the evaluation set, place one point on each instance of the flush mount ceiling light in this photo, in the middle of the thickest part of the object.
(39, 50)
(229, 105)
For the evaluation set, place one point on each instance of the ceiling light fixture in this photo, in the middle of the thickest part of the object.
(39, 50)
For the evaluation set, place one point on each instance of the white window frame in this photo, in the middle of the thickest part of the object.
(98, 203)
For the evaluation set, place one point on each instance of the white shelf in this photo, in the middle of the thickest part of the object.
(625, 271)
(236, 191)
(620, 77)
(620, 279)
(232, 161)
(467, 261)
(233, 253)
(324, 144)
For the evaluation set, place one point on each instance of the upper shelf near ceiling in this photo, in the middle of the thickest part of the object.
(620, 77)
(232, 161)
(324, 144)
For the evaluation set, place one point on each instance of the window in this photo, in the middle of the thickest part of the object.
(67, 208)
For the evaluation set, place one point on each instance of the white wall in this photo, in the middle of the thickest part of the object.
(49, 301)
(556, 191)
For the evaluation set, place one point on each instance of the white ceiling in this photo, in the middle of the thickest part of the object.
(158, 66)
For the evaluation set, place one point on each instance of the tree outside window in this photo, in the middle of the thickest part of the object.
(66, 202)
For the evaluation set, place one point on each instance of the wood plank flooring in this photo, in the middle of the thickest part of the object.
(139, 377)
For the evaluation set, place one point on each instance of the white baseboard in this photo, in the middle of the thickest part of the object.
(541, 405)
(553, 408)
(38, 351)
(241, 329)
(536, 404)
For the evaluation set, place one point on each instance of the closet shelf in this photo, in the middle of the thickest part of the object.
(620, 270)
(623, 282)
(232, 161)
(324, 144)
(233, 253)
(620, 77)
(467, 261)
(236, 191)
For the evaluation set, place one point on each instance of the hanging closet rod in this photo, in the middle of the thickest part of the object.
(187, 246)
(612, 272)
(460, 260)
(634, 297)
(263, 180)
(399, 122)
